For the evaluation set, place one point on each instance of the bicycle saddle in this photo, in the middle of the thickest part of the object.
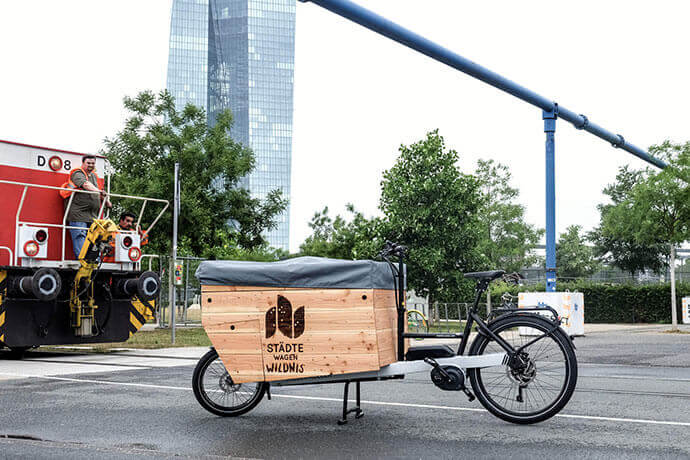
(490, 275)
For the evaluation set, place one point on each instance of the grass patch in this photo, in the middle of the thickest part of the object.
(448, 327)
(160, 338)
(442, 327)
(677, 331)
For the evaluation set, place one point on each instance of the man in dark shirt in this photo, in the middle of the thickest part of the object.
(85, 206)
(127, 223)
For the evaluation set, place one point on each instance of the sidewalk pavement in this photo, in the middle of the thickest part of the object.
(595, 328)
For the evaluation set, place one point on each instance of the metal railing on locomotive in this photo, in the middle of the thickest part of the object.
(69, 263)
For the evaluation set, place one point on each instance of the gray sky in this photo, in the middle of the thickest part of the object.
(66, 66)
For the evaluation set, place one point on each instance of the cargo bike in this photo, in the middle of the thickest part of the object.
(311, 320)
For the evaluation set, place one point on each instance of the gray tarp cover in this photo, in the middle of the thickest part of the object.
(307, 272)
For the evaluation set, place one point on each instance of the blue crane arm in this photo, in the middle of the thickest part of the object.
(383, 26)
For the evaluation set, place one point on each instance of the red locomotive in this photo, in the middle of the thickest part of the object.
(47, 295)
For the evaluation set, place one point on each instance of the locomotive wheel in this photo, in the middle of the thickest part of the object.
(217, 393)
(18, 352)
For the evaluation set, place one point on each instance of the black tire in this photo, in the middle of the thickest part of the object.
(230, 399)
(548, 383)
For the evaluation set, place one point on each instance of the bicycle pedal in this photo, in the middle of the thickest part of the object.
(470, 395)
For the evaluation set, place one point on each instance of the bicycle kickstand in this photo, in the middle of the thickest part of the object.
(357, 410)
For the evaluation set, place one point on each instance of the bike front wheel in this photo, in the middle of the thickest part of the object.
(217, 393)
(539, 383)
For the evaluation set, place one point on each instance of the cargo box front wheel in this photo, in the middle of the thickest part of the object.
(218, 394)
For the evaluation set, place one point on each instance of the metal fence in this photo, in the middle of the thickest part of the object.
(187, 293)
(440, 316)
(613, 275)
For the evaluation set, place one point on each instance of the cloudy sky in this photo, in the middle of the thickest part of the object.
(66, 66)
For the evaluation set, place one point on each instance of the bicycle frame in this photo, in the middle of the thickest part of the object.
(472, 317)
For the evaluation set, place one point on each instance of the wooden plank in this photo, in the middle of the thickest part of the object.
(386, 317)
(239, 348)
(329, 343)
(243, 368)
(312, 365)
(226, 322)
(335, 320)
(231, 343)
(384, 298)
(261, 300)
(387, 347)
(324, 343)
(226, 308)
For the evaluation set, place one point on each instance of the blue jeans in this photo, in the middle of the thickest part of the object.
(78, 235)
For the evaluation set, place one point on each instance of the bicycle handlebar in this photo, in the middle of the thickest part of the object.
(393, 249)
(512, 278)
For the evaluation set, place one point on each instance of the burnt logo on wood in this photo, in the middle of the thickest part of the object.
(282, 319)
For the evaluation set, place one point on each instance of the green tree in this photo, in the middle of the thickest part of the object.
(506, 239)
(431, 207)
(340, 238)
(619, 248)
(156, 136)
(657, 211)
(574, 259)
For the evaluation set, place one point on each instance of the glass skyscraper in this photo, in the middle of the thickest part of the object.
(240, 54)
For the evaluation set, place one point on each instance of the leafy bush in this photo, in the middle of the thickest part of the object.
(614, 303)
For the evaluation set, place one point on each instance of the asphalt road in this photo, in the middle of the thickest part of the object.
(105, 406)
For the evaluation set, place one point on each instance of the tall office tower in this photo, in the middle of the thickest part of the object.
(239, 54)
(188, 53)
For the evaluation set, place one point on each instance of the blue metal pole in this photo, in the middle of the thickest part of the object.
(550, 130)
(383, 26)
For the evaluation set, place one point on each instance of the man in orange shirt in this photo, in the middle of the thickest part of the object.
(84, 206)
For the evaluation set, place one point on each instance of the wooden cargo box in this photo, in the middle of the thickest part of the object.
(328, 317)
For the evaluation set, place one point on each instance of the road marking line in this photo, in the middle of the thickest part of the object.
(634, 377)
(102, 382)
(376, 403)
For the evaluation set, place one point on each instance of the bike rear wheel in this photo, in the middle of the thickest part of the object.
(537, 386)
(217, 393)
